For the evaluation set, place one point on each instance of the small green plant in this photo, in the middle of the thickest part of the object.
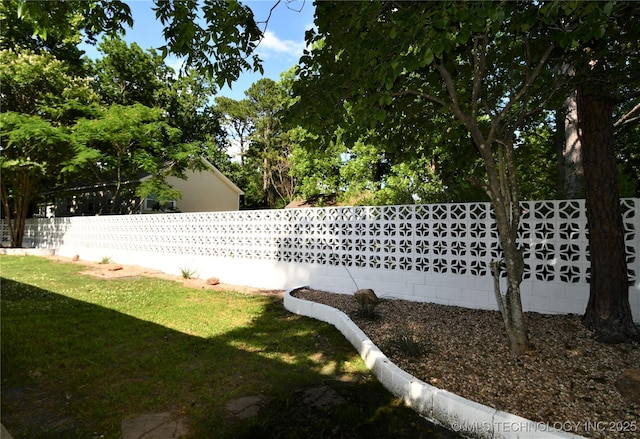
(407, 342)
(105, 260)
(188, 273)
(366, 308)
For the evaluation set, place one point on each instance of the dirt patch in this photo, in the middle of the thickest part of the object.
(121, 271)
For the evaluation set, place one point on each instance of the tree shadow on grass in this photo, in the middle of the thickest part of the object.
(72, 369)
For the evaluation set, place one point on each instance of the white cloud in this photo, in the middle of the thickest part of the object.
(271, 44)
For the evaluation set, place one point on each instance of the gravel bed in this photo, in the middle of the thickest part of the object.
(567, 380)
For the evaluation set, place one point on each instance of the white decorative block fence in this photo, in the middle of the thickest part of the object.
(436, 253)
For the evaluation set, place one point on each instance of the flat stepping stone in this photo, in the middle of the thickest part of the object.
(154, 426)
(323, 396)
(4, 434)
(243, 408)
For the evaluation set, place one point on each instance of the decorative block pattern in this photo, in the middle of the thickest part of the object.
(452, 240)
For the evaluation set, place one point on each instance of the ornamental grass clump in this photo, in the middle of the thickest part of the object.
(409, 343)
(187, 273)
(367, 303)
(367, 309)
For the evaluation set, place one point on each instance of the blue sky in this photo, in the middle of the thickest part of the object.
(280, 49)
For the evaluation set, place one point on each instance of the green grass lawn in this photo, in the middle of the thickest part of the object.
(81, 354)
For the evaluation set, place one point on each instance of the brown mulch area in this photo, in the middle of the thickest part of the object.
(567, 380)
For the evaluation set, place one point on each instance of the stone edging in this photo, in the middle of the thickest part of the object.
(466, 417)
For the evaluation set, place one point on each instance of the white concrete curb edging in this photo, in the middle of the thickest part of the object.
(468, 418)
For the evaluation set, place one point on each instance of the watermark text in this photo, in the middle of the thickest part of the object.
(532, 427)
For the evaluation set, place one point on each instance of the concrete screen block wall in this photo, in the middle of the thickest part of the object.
(436, 253)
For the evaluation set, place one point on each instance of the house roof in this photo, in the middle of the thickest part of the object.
(208, 166)
(222, 177)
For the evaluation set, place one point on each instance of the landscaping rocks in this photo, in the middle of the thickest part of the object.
(366, 296)
(213, 281)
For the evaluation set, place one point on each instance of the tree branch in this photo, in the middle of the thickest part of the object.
(626, 119)
(479, 63)
(427, 96)
(530, 78)
(628, 96)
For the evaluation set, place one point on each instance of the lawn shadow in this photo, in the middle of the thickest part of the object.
(74, 369)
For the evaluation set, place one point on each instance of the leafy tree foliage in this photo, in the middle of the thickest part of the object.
(20, 34)
(153, 123)
(316, 168)
(537, 163)
(116, 137)
(265, 100)
(41, 101)
(488, 67)
(65, 19)
(133, 141)
(236, 117)
(627, 137)
(217, 38)
(475, 62)
(187, 101)
(126, 74)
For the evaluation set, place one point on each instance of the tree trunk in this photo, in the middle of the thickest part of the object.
(17, 206)
(265, 182)
(504, 195)
(510, 304)
(608, 312)
(571, 173)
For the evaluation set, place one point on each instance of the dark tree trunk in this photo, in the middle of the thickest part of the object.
(608, 312)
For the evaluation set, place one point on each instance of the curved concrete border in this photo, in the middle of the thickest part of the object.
(453, 412)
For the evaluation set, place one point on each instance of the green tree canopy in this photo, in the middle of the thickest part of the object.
(217, 38)
(21, 34)
(478, 65)
(125, 74)
(41, 101)
(134, 141)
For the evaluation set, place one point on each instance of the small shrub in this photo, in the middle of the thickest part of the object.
(407, 342)
(188, 273)
(105, 260)
(366, 308)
